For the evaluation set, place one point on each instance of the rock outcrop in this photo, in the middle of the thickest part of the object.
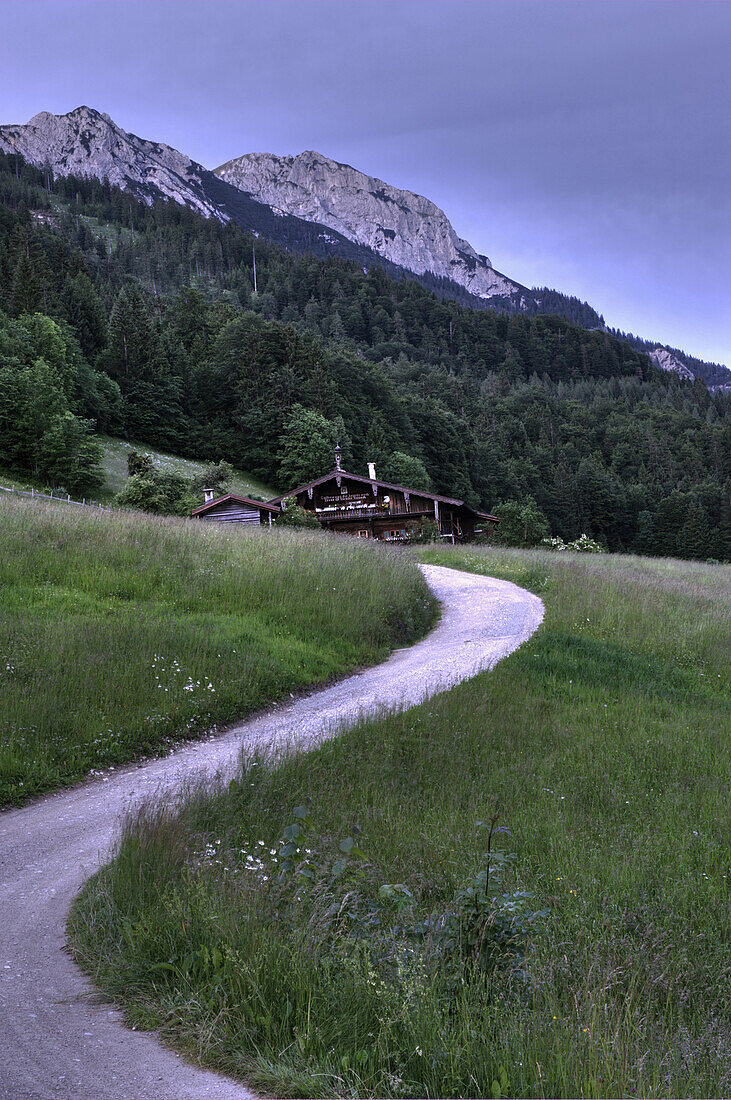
(665, 360)
(404, 228)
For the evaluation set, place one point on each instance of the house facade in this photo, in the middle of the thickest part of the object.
(350, 504)
(372, 509)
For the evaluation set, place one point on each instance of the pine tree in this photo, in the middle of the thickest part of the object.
(84, 312)
(129, 354)
(26, 294)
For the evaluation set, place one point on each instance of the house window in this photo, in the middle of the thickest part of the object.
(363, 533)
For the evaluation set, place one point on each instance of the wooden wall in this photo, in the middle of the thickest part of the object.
(233, 512)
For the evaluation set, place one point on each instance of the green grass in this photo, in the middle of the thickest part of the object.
(114, 463)
(603, 739)
(121, 633)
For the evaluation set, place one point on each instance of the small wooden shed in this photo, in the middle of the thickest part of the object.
(235, 509)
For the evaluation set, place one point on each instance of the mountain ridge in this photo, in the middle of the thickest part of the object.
(354, 216)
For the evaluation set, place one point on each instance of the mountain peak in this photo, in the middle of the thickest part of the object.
(405, 228)
(87, 142)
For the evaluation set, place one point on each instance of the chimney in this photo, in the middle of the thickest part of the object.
(372, 471)
(338, 455)
(208, 495)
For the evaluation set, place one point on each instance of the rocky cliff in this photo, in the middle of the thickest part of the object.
(404, 228)
(665, 360)
(87, 143)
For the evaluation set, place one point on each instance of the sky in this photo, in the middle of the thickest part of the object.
(583, 145)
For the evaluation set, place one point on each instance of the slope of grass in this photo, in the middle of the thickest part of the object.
(121, 633)
(603, 739)
(114, 463)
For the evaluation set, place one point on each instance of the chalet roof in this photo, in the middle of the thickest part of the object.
(382, 485)
(268, 507)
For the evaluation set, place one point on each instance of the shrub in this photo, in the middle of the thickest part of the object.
(426, 531)
(582, 545)
(292, 515)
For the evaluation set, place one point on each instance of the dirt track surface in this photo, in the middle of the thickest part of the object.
(59, 1037)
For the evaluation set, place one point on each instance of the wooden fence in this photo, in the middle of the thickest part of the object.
(60, 499)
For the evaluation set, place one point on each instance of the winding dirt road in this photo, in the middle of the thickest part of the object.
(59, 1037)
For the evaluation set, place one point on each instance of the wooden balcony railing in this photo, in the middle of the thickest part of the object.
(365, 513)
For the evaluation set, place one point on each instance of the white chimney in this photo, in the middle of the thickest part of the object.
(372, 471)
(208, 495)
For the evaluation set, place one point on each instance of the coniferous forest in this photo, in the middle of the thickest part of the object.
(199, 338)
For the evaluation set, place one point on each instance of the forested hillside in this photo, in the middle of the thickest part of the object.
(153, 323)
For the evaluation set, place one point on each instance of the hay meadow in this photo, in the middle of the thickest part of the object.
(121, 634)
(332, 924)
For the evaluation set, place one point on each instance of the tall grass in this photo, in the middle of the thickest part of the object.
(603, 740)
(121, 633)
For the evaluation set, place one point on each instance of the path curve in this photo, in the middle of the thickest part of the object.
(60, 1038)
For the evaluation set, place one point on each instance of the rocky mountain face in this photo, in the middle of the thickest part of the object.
(665, 360)
(87, 143)
(405, 228)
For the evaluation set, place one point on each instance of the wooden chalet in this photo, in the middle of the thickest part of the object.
(235, 509)
(373, 509)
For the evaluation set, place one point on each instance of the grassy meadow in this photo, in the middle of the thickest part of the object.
(328, 925)
(122, 633)
(114, 464)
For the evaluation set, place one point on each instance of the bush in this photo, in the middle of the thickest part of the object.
(521, 525)
(426, 531)
(582, 545)
(161, 494)
(292, 515)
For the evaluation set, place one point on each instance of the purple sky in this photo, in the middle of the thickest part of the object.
(581, 145)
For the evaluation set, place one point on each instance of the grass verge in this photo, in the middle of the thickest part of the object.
(321, 927)
(121, 633)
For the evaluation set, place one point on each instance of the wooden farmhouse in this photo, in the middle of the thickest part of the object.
(234, 509)
(373, 509)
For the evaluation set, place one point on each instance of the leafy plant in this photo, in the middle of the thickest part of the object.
(487, 924)
(293, 515)
(582, 545)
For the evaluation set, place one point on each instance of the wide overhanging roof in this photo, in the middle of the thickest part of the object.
(335, 473)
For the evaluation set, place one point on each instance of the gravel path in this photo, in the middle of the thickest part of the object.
(59, 1037)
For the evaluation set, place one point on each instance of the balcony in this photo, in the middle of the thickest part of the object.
(326, 515)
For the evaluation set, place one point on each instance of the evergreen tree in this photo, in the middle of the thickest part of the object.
(84, 312)
(308, 447)
(402, 469)
(129, 355)
(26, 294)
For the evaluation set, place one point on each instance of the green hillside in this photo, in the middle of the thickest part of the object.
(114, 464)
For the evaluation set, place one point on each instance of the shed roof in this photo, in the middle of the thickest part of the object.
(267, 507)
